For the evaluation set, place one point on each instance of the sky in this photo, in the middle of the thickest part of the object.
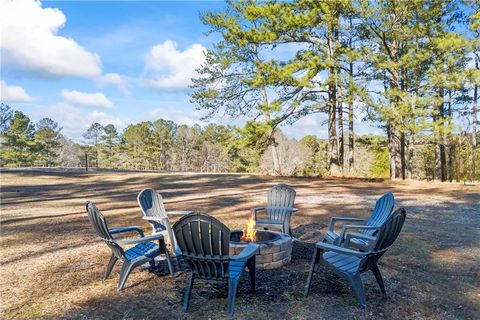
(117, 62)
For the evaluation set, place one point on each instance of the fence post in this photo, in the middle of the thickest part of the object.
(86, 161)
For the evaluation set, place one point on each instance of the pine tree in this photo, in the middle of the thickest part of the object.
(47, 141)
(18, 141)
(93, 135)
(241, 78)
(109, 146)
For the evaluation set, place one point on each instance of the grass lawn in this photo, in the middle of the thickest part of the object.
(51, 265)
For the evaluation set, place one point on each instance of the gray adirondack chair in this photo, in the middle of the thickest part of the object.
(144, 250)
(279, 209)
(204, 243)
(349, 263)
(381, 212)
(151, 204)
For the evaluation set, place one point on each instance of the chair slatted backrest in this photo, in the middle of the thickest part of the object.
(100, 226)
(381, 212)
(386, 236)
(280, 197)
(204, 242)
(151, 203)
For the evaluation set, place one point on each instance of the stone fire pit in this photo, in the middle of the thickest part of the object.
(275, 248)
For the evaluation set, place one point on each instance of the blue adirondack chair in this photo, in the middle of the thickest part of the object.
(143, 251)
(204, 243)
(381, 212)
(348, 262)
(151, 204)
(278, 211)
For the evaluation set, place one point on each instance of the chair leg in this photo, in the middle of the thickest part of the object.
(315, 259)
(152, 263)
(357, 285)
(110, 265)
(251, 273)
(232, 294)
(163, 247)
(124, 273)
(378, 276)
(188, 293)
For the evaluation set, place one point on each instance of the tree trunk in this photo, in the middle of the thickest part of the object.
(410, 154)
(441, 140)
(276, 163)
(341, 150)
(332, 100)
(277, 170)
(451, 148)
(393, 152)
(351, 141)
(474, 124)
(402, 155)
(332, 132)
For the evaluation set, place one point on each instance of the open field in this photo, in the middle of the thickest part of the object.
(51, 266)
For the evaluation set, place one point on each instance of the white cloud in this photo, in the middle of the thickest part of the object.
(179, 116)
(13, 93)
(114, 79)
(75, 121)
(168, 68)
(87, 99)
(30, 42)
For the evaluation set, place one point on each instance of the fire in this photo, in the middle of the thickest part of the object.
(249, 234)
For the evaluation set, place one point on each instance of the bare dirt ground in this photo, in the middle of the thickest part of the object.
(51, 265)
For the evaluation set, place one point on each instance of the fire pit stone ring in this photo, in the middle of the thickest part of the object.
(275, 248)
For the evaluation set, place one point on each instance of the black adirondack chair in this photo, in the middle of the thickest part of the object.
(204, 243)
(144, 250)
(381, 212)
(278, 211)
(350, 263)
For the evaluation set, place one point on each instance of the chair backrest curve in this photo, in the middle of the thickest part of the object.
(279, 197)
(204, 242)
(99, 224)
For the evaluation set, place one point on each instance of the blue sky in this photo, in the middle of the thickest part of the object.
(80, 62)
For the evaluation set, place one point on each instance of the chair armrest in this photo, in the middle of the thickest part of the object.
(156, 236)
(127, 229)
(178, 213)
(334, 220)
(155, 219)
(294, 209)
(334, 248)
(246, 253)
(360, 236)
(350, 226)
(253, 211)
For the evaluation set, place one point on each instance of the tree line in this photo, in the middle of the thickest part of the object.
(167, 146)
(410, 67)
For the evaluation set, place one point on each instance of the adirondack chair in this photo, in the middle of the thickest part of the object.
(204, 242)
(381, 212)
(151, 204)
(350, 263)
(279, 209)
(144, 250)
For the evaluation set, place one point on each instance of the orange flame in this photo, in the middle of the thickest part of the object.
(249, 234)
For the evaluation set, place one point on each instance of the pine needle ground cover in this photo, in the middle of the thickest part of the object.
(51, 266)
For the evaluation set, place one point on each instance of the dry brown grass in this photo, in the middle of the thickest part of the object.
(51, 265)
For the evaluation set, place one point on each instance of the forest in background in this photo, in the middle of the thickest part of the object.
(166, 146)
(409, 67)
